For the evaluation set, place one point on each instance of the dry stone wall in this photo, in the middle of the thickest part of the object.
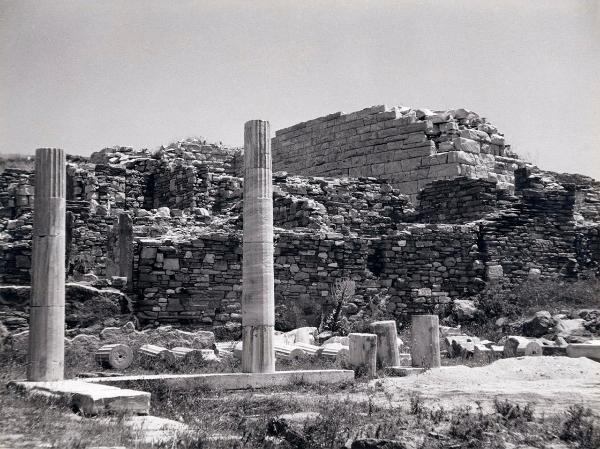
(411, 148)
(16, 192)
(199, 281)
(461, 200)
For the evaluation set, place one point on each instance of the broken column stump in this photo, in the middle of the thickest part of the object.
(387, 343)
(334, 351)
(46, 354)
(287, 352)
(363, 353)
(191, 356)
(115, 356)
(150, 355)
(425, 341)
(517, 346)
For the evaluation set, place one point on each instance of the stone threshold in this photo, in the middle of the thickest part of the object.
(230, 381)
(89, 398)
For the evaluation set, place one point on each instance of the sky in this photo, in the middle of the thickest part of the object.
(84, 75)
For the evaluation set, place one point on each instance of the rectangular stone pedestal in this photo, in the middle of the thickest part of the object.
(90, 398)
(232, 381)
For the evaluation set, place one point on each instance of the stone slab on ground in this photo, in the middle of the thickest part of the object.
(402, 371)
(154, 429)
(90, 398)
(589, 350)
(232, 381)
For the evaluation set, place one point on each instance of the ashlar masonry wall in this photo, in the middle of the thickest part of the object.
(411, 148)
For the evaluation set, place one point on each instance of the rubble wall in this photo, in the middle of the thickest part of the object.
(411, 148)
(461, 200)
(87, 244)
(200, 280)
(16, 192)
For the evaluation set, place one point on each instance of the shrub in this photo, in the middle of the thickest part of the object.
(579, 428)
(342, 291)
(513, 411)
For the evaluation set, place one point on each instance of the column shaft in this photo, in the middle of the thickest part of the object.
(425, 341)
(258, 296)
(47, 307)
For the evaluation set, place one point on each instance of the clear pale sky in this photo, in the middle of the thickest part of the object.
(83, 75)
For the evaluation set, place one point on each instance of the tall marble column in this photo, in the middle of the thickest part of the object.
(258, 296)
(47, 307)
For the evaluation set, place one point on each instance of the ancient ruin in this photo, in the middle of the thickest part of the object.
(196, 268)
(165, 228)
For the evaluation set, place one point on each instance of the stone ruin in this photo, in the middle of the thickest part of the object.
(423, 207)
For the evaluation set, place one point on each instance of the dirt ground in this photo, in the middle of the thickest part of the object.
(553, 383)
(550, 384)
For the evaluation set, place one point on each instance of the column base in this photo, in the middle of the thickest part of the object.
(258, 354)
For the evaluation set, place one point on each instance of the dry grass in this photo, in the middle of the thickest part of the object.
(253, 419)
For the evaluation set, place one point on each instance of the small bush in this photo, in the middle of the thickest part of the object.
(471, 426)
(579, 428)
(341, 293)
(513, 411)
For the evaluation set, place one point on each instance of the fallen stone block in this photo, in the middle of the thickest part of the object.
(90, 398)
(589, 350)
(151, 354)
(153, 429)
(287, 352)
(517, 346)
(308, 349)
(191, 355)
(115, 356)
(334, 351)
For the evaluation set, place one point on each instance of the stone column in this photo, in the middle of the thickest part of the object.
(125, 240)
(258, 296)
(387, 343)
(363, 353)
(425, 341)
(47, 307)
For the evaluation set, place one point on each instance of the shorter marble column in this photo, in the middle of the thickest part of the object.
(363, 353)
(425, 341)
(387, 343)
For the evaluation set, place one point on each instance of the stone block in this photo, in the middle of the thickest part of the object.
(171, 264)
(494, 272)
(91, 398)
(466, 145)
